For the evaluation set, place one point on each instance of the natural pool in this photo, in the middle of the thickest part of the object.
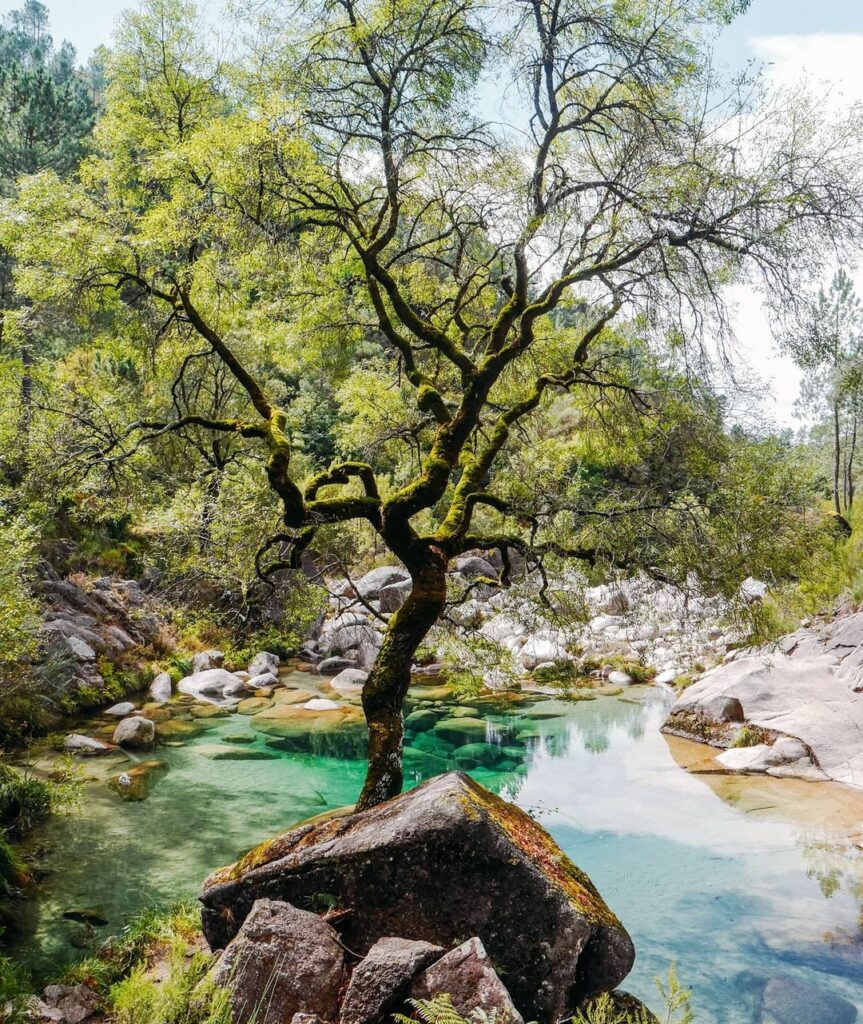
(736, 880)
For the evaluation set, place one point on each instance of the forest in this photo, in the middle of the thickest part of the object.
(379, 452)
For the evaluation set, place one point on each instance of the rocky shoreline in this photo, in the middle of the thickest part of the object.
(793, 708)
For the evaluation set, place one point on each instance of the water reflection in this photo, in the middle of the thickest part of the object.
(739, 880)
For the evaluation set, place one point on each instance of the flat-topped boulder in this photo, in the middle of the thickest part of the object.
(446, 860)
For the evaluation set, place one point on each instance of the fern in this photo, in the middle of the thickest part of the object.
(604, 1010)
(440, 1010)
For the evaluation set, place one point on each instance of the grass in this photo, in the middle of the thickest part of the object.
(123, 953)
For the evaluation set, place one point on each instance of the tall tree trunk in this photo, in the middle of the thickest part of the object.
(386, 688)
(850, 460)
(208, 512)
(837, 458)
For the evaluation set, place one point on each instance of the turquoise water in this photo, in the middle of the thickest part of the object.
(735, 888)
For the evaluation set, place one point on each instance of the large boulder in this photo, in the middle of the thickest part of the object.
(282, 961)
(349, 681)
(799, 695)
(381, 980)
(391, 598)
(445, 860)
(467, 976)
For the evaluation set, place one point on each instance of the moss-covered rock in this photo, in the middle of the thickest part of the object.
(445, 860)
(136, 782)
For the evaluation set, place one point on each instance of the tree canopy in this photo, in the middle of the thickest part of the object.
(369, 263)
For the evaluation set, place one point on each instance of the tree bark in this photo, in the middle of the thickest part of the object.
(387, 686)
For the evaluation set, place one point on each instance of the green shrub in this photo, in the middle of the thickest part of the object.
(23, 800)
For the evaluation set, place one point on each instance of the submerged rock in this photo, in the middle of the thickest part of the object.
(136, 782)
(283, 961)
(444, 860)
(788, 1001)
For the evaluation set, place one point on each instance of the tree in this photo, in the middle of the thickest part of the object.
(46, 114)
(827, 343)
(338, 206)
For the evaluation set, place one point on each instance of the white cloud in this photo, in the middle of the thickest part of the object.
(830, 64)
(831, 60)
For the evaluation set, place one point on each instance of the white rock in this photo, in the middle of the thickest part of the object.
(617, 678)
(799, 697)
(160, 688)
(262, 662)
(753, 759)
(349, 680)
(205, 660)
(85, 744)
(667, 677)
(210, 685)
(120, 710)
(135, 732)
(257, 682)
(321, 704)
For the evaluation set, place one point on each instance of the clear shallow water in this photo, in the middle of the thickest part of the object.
(734, 880)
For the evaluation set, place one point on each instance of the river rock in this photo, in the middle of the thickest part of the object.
(370, 585)
(788, 1001)
(205, 660)
(68, 1004)
(349, 680)
(617, 678)
(391, 598)
(252, 705)
(334, 666)
(321, 704)
(136, 782)
(420, 721)
(209, 685)
(380, 982)
(466, 975)
(282, 961)
(120, 710)
(262, 681)
(444, 860)
(77, 744)
(160, 688)
(135, 732)
(461, 730)
(264, 662)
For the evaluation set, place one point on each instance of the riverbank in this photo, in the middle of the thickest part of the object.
(734, 888)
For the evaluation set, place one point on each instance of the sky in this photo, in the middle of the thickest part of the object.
(819, 39)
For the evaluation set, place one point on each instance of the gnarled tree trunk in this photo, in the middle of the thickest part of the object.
(387, 686)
